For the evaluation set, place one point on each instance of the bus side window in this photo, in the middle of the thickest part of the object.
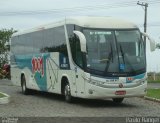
(54, 41)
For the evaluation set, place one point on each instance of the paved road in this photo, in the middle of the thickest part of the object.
(154, 85)
(50, 105)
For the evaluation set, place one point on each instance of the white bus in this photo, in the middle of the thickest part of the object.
(86, 57)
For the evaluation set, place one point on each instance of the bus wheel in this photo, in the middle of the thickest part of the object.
(118, 100)
(67, 93)
(23, 85)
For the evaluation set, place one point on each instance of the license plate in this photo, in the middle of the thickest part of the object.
(122, 92)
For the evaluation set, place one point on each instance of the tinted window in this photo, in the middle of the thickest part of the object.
(55, 41)
(75, 45)
(13, 49)
(28, 44)
(37, 39)
(50, 40)
(22, 44)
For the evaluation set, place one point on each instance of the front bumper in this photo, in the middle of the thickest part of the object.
(97, 92)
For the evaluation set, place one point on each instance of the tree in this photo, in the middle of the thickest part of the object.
(5, 35)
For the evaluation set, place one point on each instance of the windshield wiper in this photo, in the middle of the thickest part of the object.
(111, 51)
(110, 57)
(108, 62)
(126, 59)
(122, 53)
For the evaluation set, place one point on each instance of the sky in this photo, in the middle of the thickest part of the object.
(24, 14)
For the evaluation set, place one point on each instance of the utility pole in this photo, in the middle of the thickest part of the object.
(145, 16)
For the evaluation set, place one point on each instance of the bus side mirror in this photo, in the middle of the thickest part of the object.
(152, 42)
(158, 46)
(82, 40)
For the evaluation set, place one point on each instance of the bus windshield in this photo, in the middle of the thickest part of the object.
(115, 52)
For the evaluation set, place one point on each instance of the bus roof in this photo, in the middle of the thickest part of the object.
(86, 21)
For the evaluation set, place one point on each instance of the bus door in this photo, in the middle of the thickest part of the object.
(79, 81)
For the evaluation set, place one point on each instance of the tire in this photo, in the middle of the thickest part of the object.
(67, 93)
(118, 100)
(25, 90)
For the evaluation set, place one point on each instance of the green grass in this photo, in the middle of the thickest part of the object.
(153, 81)
(1, 95)
(154, 93)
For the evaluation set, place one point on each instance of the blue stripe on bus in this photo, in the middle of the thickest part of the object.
(26, 61)
(141, 76)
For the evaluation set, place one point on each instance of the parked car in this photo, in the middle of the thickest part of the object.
(5, 71)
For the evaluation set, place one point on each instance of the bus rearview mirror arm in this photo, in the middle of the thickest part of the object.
(82, 40)
(152, 42)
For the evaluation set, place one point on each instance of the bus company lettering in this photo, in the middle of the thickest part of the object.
(37, 65)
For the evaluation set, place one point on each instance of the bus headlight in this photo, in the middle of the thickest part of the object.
(97, 82)
(142, 81)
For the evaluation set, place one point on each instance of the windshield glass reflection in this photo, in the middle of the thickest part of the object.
(112, 51)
